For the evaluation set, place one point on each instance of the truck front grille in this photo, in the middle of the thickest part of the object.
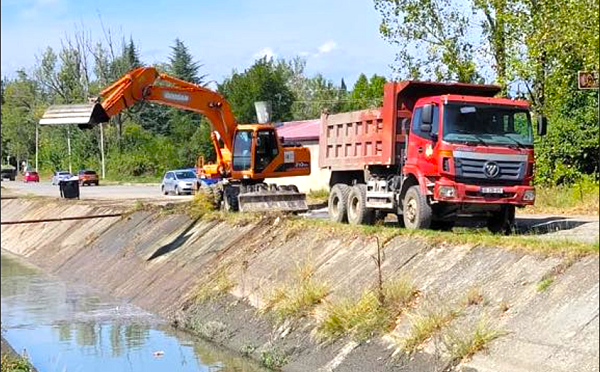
(474, 169)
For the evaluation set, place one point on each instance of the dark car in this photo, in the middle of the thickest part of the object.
(88, 177)
(9, 173)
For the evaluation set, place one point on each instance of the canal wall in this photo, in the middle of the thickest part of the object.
(471, 307)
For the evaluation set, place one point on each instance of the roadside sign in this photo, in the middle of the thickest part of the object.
(587, 80)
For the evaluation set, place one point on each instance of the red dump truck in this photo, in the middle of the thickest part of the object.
(434, 152)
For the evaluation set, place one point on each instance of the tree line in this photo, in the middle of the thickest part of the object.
(148, 139)
(532, 48)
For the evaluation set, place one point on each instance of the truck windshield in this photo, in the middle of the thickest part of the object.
(486, 124)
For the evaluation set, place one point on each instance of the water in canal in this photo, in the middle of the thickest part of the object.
(65, 327)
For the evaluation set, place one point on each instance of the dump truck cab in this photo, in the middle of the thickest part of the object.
(472, 149)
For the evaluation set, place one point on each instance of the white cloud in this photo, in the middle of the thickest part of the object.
(327, 47)
(265, 52)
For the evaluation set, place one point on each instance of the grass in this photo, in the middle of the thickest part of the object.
(580, 198)
(464, 344)
(544, 284)
(473, 297)
(367, 316)
(473, 237)
(298, 296)
(273, 359)
(317, 196)
(218, 285)
(425, 326)
(10, 363)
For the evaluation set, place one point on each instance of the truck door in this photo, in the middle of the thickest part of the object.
(422, 145)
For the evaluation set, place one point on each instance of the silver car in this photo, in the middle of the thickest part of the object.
(179, 182)
(60, 176)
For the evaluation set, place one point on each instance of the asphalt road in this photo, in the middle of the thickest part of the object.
(101, 192)
(583, 228)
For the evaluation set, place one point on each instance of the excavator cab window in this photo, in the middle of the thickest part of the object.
(242, 150)
(266, 149)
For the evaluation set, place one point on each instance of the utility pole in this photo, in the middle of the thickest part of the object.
(69, 148)
(37, 145)
(102, 149)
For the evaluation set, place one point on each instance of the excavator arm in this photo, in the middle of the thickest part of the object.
(144, 84)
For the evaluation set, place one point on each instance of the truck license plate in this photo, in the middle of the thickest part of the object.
(492, 190)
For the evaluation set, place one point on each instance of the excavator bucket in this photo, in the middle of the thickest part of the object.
(281, 200)
(84, 115)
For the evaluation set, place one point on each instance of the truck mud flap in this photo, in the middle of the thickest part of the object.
(279, 201)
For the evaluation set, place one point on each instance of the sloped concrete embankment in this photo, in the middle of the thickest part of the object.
(161, 262)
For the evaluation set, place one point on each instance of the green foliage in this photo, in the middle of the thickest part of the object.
(365, 317)
(544, 284)
(299, 296)
(265, 80)
(10, 363)
(581, 197)
(366, 93)
(534, 49)
(273, 358)
(438, 27)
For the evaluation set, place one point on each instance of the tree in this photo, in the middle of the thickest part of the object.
(182, 64)
(21, 106)
(438, 27)
(265, 80)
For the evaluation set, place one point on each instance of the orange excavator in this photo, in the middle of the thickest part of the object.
(246, 154)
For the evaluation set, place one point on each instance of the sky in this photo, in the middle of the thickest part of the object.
(338, 38)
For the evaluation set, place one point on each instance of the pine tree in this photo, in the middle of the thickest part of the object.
(182, 64)
(131, 55)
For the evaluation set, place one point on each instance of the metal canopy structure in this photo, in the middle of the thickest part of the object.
(82, 115)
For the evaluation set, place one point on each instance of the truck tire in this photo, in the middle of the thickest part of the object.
(416, 211)
(503, 221)
(338, 202)
(358, 213)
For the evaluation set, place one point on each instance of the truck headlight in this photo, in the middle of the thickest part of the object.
(529, 195)
(447, 191)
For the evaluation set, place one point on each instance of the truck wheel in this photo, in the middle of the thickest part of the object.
(338, 201)
(358, 213)
(416, 212)
(503, 221)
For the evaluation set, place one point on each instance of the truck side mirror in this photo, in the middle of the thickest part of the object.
(426, 118)
(542, 125)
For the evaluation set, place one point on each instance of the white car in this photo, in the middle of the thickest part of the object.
(179, 182)
(60, 176)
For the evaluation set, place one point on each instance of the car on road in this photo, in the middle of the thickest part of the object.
(88, 177)
(60, 176)
(8, 173)
(31, 176)
(181, 181)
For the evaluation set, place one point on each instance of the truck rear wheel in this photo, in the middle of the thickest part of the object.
(503, 221)
(338, 202)
(416, 212)
(358, 213)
